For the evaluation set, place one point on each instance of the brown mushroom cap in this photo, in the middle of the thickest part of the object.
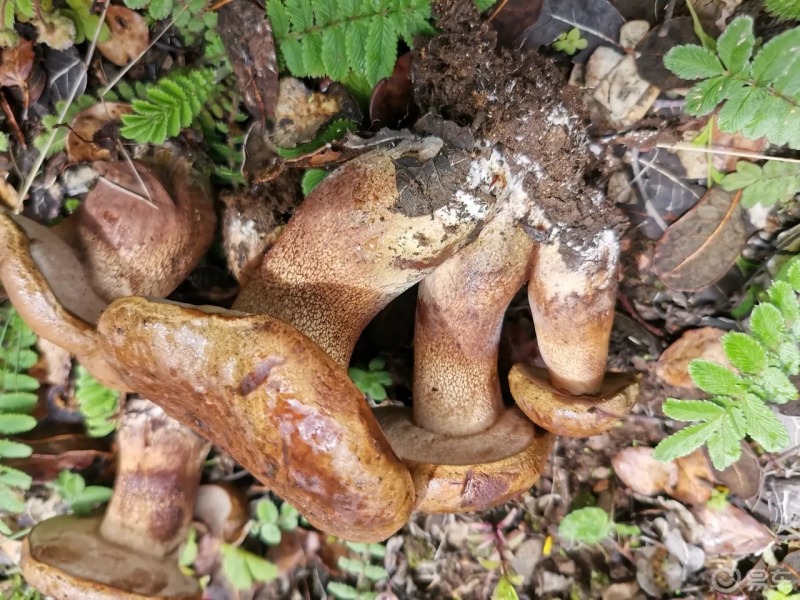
(465, 451)
(371, 229)
(572, 416)
(129, 552)
(271, 398)
(60, 279)
(67, 558)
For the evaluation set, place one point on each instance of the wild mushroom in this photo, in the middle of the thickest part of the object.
(271, 398)
(464, 449)
(124, 239)
(128, 553)
(572, 300)
(369, 231)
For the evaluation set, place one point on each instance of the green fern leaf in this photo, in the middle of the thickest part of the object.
(381, 50)
(334, 52)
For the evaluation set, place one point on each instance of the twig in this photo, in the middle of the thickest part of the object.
(12, 121)
(725, 152)
(34, 171)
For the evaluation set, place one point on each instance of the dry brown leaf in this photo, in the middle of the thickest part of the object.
(637, 469)
(742, 478)
(672, 366)
(699, 248)
(81, 144)
(16, 64)
(130, 36)
(54, 364)
(695, 479)
(730, 531)
(73, 451)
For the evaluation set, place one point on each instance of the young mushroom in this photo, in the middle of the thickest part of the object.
(464, 449)
(572, 297)
(130, 552)
(266, 394)
(369, 231)
(124, 239)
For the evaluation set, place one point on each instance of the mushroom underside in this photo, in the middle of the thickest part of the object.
(66, 558)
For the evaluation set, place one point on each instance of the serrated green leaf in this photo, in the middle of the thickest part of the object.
(311, 179)
(351, 565)
(15, 478)
(777, 386)
(375, 572)
(692, 410)
(766, 323)
(705, 96)
(762, 424)
(784, 298)
(342, 591)
(334, 52)
(160, 9)
(693, 62)
(783, 9)
(735, 45)
(235, 567)
(724, 445)
(278, 19)
(21, 402)
(381, 51)
(713, 378)
(260, 569)
(18, 382)
(686, 441)
(588, 525)
(10, 500)
(744, 352)
(741, 108)
(9, 449)
(746, 174)
(504, 589)
(11, 424)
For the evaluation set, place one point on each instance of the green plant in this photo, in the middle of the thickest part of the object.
(51, 125)
(81, 498)
(345, 39)
(372, 380)
(738, 407)
(172, 104)
(270, 521)
(367, 569)
(783, 9)
(311, 179)
(718, 500)
(483, 5)
(17, 398)
(332, 132)
(570, 42)
(591, 525)
(782, 591)
(775, 181)
(243, 568)
(3, 142)
(504, 590)
(761, 96)
(15, 587)
(97, 403)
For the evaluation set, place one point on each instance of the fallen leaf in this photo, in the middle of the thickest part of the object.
(673, 364)
(66, 73)
(54, 364)
(81, 143)
(660, 40)
(130, 36)
(16, 64)
(730, 531)
(736, 142)
(512, 17)
(655, 194)
(72, 451)
(695, 479)
(698, 249)
(743, 478)
(247, 37)
(598, 21)
(392, 102)
(637, 469)
(625, 96)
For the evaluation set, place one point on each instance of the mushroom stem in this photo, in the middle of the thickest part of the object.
(158, 472)
(465, 451)
(572, 303)
(460, 313)
(369, 231)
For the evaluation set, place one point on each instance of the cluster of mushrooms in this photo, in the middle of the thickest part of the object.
(267, 380)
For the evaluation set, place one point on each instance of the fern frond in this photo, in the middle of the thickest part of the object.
(783, 9)
(326, 37)
(97, 403)
(172, 104)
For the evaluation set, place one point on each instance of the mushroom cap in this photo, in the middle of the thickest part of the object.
(48, 286)
(270, 397)
(224, 510)
(67, 558)
(135, 246)
(472, 472)
(369, 231)
(572, 416)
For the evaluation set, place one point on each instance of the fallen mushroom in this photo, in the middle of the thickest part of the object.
(272, 399)
(369, 231)
(129, 552)
(464, 449)
(573, 311)
(124, 239)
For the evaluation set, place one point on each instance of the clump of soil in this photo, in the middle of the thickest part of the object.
(520, 101)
